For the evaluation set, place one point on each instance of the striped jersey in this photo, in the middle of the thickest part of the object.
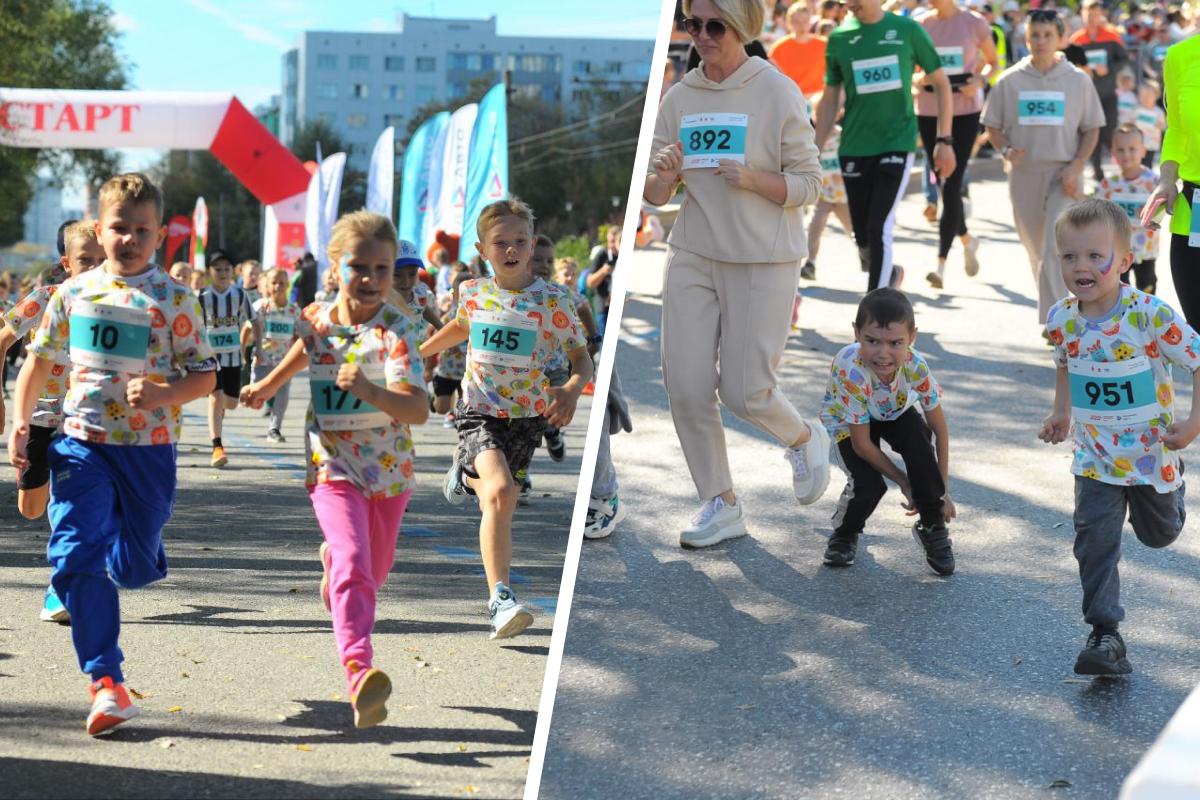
(224, 315)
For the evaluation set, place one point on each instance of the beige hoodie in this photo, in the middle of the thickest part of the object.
(738, 226)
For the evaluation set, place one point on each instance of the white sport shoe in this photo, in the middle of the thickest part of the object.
(810, 465)
(507, 615)
(603, 514)
(715, 522)
(971, 257)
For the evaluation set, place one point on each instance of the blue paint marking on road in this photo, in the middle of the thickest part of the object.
(513, 576)
(419, 533)
(281, 461)
(547, 605)
(455, 552)
(640, 338)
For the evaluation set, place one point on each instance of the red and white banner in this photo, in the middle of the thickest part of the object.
(199, 234)
(79, 119)
(178, 231)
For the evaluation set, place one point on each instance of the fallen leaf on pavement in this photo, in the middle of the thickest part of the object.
(139, 695)
(304, 748)
(174, 709)
(1059, 784)
(1018, 662)
(469, 789)
(462, 748)
(165, 743)
(746, 707)
(293, 590)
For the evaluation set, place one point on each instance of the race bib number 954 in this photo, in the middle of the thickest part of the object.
(709, 139)
(1041, 108)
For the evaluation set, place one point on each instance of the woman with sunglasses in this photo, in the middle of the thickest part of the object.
(1044, 116)
(871, 59)
(736, 132)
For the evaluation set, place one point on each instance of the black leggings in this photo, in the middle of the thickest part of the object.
(1109, 104)
(1185, 271)
(874, 187)
(964, 129)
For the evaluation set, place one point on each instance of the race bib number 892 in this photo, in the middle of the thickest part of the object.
(709, 139)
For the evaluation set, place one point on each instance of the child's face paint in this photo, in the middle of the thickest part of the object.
(1107, 266)
(1090, 267)
(345, 271)
(365, 273)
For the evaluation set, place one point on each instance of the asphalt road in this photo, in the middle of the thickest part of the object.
(750, 671)
(234, 653)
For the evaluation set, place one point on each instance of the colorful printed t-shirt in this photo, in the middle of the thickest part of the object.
(1142, 337)
(510, 348)
(376, 458)
(833, 188)
(452, 362)
(1131, 195)
(422, 298)
(22, 318)
(855, 396)
(118, 328)
(280, 330)
(1151, 122)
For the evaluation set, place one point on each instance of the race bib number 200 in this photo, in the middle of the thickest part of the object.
(709, 139)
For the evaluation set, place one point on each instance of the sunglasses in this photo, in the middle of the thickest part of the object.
(1042, 15)
(715, 28)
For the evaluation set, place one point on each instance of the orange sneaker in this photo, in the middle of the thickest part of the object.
(218, 459)
(325, 564)
(110, 706)
(370, 689)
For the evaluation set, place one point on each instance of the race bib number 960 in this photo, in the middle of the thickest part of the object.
(873, 75)
(709, 139)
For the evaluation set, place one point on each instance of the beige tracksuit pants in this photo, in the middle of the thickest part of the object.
(724, 328)
(1037, 200)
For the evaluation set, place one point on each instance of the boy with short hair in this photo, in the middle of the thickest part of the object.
(227, 315)
(1150, 120)
(81, 252)
(875, 387)
(131, 329)
(512, 323)
(1130, 189)
(1113, 349)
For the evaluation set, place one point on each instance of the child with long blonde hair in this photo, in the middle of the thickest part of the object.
(367, 384)
(280, 318)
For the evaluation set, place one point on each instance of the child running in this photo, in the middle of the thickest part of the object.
(131, 329)
(1130, 190)
(875, 388)
(452, 362)
(1113, 349)
(367, 387)
(513, 322)
(410, 289)
(227, 312)
(81, 252)
(279, 318)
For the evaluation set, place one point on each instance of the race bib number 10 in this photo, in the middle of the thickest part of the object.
(1041, 108)
(110, 338)
(339, 410)
(709, 139)
(873, 75)
(503, 339)
(1113, 393)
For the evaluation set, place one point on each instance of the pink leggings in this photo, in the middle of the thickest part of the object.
(361, 534)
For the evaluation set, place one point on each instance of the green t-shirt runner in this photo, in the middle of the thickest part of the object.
(875, 65)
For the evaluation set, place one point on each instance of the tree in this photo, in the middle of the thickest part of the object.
(234, 215)
(304, 145)
(584, 158)
(54, 44)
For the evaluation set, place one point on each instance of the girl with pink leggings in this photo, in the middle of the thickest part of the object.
(367, 385)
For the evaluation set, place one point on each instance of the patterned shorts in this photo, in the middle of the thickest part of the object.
(517, 438)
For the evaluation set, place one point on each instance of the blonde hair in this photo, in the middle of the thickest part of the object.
(361, 225)
(560, 266)
(494, 212)
(132, 187)
(1091, 210)
(744, 17)
(83, 229)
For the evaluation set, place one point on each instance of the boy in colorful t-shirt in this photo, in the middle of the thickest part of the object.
(875, 388)
(81, 252)
(1113, 349)
(279, 318)
(513, 322)
(1130, 190)
(138, 352)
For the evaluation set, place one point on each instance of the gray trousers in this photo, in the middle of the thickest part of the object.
(604, 479)
(1100, 511)
(279, 402)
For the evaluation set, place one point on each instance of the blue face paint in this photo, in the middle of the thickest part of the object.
(346, 272)
(1107, 266)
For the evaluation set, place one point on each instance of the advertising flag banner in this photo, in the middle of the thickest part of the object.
(447, 214)
(199, 233)
(414, 180)
(321, 207)
(487, 166)
(382, 173)
(178, 231)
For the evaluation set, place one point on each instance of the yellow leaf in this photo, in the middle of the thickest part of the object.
(139, 695)
(304, 748)
(174, 709)
(335, 697)
(469, 789)
(462, 748)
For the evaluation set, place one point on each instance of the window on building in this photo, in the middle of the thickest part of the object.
(360, 62)
(395, 92)
(582, 68)
(456, 90)
(394, 63)
(613, 67)
(327, 91)
(326, 62)
(425, 94)
(356, 120)
(426, 64)
(394, 120)
(359, 91)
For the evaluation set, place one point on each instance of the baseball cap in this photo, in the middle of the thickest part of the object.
(61, 244)
(217, 254)
(407, 255)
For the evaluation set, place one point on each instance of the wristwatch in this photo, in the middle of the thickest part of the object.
(946, 140)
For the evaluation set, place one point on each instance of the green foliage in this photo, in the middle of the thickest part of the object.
(574, 246)
(304, 145)
(234, 215)
(54, 44)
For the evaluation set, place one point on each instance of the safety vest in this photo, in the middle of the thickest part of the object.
(1001, 53)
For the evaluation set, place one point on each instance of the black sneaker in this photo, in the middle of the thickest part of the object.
(555, 445)
(809, 271)
(1104, 653)
(841, 549)
(936, 541)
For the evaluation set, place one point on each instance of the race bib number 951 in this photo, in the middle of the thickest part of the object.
(709, 139)
(1113, 393)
